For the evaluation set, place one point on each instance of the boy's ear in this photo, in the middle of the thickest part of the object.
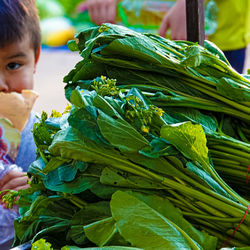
(37, 55)
(38, 51)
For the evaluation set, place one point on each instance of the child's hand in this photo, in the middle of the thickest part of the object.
(14, 180)
(101, 11)
(175, 19)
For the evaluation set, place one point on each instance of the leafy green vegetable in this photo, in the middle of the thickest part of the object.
(146, 228)
(133, 164)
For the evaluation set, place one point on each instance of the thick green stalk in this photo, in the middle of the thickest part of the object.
(241, 134)
(232, 151)
(211, 224)
(75, 200)
(213, 218)
(226, 162)
(224, 155)
(233, 208)
(187, 203)
(233, 172)
(210, 210)
(233, 242)
(237, 144)
(220, 98)
(140, 171)
(228, 189)
(183, 100)
(245, 130)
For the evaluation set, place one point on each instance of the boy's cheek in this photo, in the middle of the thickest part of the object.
(23, 82)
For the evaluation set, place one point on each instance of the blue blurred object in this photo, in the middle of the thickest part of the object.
(236, 58)
(25, 246)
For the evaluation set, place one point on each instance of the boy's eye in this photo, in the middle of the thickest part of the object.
(13, 66)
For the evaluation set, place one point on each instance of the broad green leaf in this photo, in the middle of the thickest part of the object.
(53, 164)
(82, 98)
(84, 120)
(36, 168)
(89, 70)
(70, 75)
(159, 165)
(92, 212)
(61, 209)
(79, 184)
(167, 209)
(144, 227)
(25, 231)
(212, 48)
(57, 230)
(135, 47)
(82, 84)
(66, 178)
(38, 206)
(104, 191)
(101, 232)
(145, 80)
(233, 90)
(72, 45)
(76, 234)
(70, 144)
(119, 178)
(158, 147)
(188, 114)
(120, 134)
(106, 105)
(88, 35)
(67, 172)
(193, 56)
(189, 139)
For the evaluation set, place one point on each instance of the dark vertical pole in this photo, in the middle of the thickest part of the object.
(195, 21)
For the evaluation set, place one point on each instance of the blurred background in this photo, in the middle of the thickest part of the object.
(61, 19)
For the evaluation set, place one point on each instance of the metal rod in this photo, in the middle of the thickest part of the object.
(195, 21)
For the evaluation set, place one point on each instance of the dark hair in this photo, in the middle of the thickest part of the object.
(18, 18)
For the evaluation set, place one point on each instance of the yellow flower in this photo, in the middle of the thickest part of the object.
(55, 114)
(67, 109)
(144, 129)
(160, 112)
(103, 78)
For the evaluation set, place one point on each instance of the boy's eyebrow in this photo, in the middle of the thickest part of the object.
(20, 54)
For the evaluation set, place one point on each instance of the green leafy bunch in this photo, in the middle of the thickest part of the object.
(101, 180)
(187, 81)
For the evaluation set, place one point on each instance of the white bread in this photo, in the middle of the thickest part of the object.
(16, 107)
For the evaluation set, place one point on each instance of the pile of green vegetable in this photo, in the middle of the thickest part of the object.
(127, 168)
(187, 81)
(114, 172)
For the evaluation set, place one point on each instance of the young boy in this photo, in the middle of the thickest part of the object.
(19, 52)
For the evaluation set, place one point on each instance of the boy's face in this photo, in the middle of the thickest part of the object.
(17, 66)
